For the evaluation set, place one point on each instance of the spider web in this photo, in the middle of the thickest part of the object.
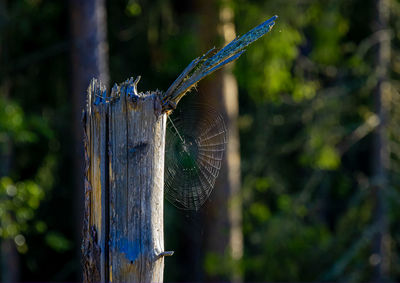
(195, 144)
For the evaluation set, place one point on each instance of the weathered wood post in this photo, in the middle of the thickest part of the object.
(124, 142)
(123, 229)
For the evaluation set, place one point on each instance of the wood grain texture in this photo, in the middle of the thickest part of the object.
(94, 234)
(125, 178)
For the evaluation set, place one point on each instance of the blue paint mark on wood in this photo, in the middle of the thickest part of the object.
(129, 248)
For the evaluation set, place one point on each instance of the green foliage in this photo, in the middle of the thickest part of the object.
(220, 266)
(305, 249)
(305, 124)
(329, 29)
(307, 215)
(133, 8)
(58, 242)
(19, 200)
(18, 203)
(13, 124)
(35, 135)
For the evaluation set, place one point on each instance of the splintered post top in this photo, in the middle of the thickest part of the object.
(210, 62)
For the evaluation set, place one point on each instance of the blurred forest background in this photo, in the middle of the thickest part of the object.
(310, 184)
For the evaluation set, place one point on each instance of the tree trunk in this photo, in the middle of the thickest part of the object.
(89, 58)
(9, 255)
(380, 258)
(223, 214)
(10, 261)
(10, 264)
(123, 229)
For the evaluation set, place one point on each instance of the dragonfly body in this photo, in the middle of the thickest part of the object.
(196, 138)
(195, 146)
(210, 62)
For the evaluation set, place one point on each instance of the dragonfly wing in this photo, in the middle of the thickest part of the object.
(212, 61)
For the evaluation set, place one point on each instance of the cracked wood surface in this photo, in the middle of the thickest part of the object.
(124, 142)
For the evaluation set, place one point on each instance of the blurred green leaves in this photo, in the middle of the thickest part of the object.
(274, 75)
(19, 199)
(18, 203)
(133, 8)
(329, 29)
(13, 124)
(305, 91)
(287, 250)
(305, 141)
(58, 242)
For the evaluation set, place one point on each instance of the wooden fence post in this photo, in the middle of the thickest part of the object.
(124, 146)
(123, 232)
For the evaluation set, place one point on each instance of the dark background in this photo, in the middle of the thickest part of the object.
(317, 120)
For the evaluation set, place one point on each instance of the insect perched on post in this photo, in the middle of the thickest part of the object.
(125, 139)
(194, 149)
(194, 146)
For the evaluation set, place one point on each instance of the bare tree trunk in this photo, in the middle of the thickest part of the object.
(89, 58)
(380, 258)
(10, 266)
(223, 214)
(10, 261)
(9, 255)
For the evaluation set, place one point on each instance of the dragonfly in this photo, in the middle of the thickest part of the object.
(196, 138)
